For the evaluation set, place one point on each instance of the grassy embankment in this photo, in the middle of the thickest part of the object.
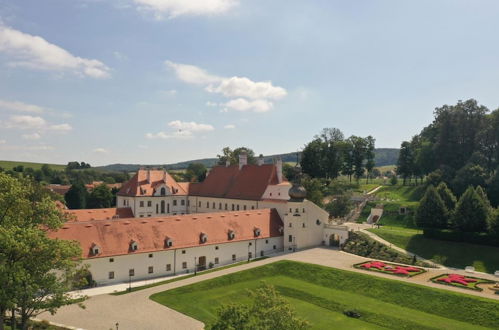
(401, 231)
(9, 165)
(321, 295)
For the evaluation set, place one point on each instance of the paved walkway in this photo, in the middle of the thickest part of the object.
(136, 311)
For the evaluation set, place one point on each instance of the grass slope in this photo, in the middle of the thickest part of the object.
(451, 254)
(8, 165)
(321, 294)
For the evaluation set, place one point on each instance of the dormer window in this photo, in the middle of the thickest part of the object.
(163, 191)
(96, 250)
(318, 222)
(168, 242)
(203, 238)
(257, 232)
(281, 229)
(134, 246)
(231, 234)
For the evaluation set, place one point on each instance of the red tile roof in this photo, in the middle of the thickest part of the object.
(249, 182)
(114, 237)
(100, 214)
(139, 185)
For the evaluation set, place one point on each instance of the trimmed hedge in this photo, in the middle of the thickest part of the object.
(458, 236)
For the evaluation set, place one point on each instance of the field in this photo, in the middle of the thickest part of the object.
(321, 295)
(8, 165)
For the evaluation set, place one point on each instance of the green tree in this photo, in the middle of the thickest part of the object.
(314, 189)
(405, 164)
(469, 175)
(76, 197)
(472, 213)
(431, 212)
(447, 196)
(33, 267)
(394, 180)
(233, 155)
(370, 162)
(312, 159)
(196, 172)
(267, 311)
(340, 206)
(100, 197)
(359, 155)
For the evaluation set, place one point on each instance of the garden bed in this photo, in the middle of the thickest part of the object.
(389, 268)
(461, 281)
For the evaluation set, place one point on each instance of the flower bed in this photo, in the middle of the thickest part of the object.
(461, 281)
(389, 268)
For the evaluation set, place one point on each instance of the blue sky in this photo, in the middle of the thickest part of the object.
(161, 81)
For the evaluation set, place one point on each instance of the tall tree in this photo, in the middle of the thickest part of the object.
(447, 196)
(431, 212)
(100, 197)
(370, 163)
(359, 155)
(472, 213)
(405, 164)
(196, 172)
(233, 155)
(76, 197)
(312, 159)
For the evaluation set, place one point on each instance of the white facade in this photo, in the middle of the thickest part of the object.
(147, 265)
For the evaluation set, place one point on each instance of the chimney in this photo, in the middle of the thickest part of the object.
(243, 159)
(227, 163)
(260, 160)
(148, 176)
(278, 165)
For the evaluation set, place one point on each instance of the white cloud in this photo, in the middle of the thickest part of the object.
(27, 148)
(190, 126)
(174, 8)
(34, 52)
(34, 136)
(3, 141)
(230, 126)
(20, 106)
(27, 122)
(100, 151)
(241, 104)
(246, 94)
(181, 130)
(211, 104)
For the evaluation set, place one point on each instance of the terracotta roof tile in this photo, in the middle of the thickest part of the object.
(114, 236)
(100, 214)
(250, 182)
(139, 185)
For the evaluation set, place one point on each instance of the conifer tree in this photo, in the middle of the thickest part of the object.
(472, 212)
(447, 196)
(431, 212)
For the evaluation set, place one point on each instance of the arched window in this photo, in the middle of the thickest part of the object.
(257, 232)
(162, 206)
(163, 191)
(203, 238)
(231, 234)
(134, 246)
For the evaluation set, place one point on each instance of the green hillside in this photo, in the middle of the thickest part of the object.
(8, 165)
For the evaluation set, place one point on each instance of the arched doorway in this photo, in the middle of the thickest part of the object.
(162, 206)
(334, 240)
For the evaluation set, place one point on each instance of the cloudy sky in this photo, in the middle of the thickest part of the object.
(161, 81)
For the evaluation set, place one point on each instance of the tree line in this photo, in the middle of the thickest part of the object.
(460, 147)
(330, 155)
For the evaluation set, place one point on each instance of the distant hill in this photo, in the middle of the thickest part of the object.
(383, 157)
(9, 165)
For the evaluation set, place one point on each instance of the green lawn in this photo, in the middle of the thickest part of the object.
(8, 165)
(452, 254)
(321, 294)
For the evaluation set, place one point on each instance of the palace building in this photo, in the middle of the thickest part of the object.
(162, 227)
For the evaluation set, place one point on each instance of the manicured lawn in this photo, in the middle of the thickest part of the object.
(322, 294)
(452, 254)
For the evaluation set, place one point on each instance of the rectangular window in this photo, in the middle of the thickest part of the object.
(111, 275)
(150, 255)
(131, 272)
(233, 257)
(141, 215)
(219, 206)
(216, 247)
(225, 206)
(266, 241)
(238, 207)
(124, 202)
(141, 203)
(261, 253)
(150, 270)
(174, 202)
(182, 202)
(252, 207)
(199, 204)
(216, 261)
(213, 206)
(290, 225)
(168, 267)
(149, 203)
(207, 205)
(244, 207)
(290, 238)
(233, 208)
(275, 247)
(184, 265)
(250, 255)
(111, 259)
(183, 251)
(188, 202)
